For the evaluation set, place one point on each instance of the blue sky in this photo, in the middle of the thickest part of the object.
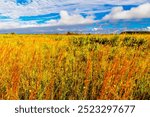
(85, 16)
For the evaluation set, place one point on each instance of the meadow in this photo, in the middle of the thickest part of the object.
(74, 67)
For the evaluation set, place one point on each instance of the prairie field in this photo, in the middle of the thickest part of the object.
(74, 67)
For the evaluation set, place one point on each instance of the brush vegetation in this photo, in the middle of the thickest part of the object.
(73, 67)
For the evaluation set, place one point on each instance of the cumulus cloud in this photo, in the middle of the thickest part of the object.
(65, 19)
(74, 19)
(117, 13)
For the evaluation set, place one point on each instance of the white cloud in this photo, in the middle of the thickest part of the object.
(117, 13)
(97, 29)
(37, 7)
(74, 19)
(69, 11)
(65, 19)
(148, 28)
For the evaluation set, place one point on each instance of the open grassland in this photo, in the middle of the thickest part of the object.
(74, 66)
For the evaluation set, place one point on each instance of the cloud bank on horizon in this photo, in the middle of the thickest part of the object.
(95, 15)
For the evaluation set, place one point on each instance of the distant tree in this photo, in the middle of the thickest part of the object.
(72, 33)
(13, 33)
(69, 33)
(135, 32)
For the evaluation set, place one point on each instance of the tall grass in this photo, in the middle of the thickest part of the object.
(74, 67)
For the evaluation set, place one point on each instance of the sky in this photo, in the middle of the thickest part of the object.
(83, 16)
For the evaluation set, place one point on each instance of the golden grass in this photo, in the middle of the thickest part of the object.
(74, 67)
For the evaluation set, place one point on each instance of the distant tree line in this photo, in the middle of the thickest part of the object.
(135, 32)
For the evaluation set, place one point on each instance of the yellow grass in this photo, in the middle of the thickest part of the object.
(74, 66)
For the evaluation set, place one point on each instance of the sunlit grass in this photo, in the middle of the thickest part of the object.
(74, 66)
